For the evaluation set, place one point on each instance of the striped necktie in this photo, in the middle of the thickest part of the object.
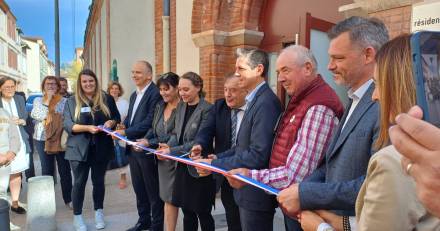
(234, 119)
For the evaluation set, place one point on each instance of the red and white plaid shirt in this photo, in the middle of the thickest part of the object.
(307, 152)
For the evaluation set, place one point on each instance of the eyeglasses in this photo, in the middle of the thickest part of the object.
(9, 87)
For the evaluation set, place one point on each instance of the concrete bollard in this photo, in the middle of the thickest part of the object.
(41, 204)
(4, 215)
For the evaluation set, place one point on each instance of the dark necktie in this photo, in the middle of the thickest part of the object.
(234, 119)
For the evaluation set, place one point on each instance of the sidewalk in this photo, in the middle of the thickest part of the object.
(119, 207)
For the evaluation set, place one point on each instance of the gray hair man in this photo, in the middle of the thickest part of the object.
(336, 183)
(305, 127)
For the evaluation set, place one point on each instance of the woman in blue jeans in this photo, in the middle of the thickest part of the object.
(44, 108)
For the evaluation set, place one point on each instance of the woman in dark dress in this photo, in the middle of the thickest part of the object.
(194, 194)
(162, 127)
(87, 148)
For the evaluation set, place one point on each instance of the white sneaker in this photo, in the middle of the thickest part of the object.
(69, 205)
(14, 227)
(78, 223)
(99, 219)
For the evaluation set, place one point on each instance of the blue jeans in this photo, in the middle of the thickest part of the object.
(48, 169)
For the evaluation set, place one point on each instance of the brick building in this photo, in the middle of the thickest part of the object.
(202, 35)
(205, 33)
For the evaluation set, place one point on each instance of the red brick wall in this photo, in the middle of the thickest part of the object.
(397, 20)
(218, 60)
(158, 12)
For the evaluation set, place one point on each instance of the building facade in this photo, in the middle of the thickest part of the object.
(12, 49)
(117, 34)
(202, 35)
(38, 63)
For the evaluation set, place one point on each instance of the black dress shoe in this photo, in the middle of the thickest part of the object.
(18, 210)
(139, 227)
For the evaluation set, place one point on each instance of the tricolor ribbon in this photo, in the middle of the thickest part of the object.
(188, 161)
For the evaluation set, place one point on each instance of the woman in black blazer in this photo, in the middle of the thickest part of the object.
(87, 147)
(194, 194)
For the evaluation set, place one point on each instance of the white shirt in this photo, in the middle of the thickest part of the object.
(356, 96)
(122, 106)
(240, 115)
(139, 95)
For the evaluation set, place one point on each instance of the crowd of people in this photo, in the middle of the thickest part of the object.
(373, 165)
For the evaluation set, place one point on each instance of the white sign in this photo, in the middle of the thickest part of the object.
(426, 16)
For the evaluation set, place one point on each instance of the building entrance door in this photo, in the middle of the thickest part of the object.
(318, 42)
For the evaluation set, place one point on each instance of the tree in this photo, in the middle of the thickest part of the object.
(71, 71)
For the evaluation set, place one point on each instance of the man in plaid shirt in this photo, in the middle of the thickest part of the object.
(304, 129)
(300, 152)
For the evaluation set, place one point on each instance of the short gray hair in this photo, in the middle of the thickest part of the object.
(363, 32)
(254, 57)
(302, 55)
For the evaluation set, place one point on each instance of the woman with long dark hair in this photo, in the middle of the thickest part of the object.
(194, 194)
(162, 127)
(87, 147)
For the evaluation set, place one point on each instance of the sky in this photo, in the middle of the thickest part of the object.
(36, 18)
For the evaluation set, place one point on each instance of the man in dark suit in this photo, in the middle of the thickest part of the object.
(143, 168)
(336, 183)
(254, 139)
(224, 120)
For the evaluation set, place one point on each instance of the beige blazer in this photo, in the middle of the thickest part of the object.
(387, 199)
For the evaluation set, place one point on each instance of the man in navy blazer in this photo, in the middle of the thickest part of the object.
(219, 128)
(336, 183)
(254, 139)
(143, 168)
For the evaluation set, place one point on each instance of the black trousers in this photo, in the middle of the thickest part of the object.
(231, 208)
(81, 174)
(145, 180)
(48, 169)
(191, 221)
(30, 172)
(256, 220)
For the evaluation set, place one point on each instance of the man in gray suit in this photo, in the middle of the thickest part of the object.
(336, 183)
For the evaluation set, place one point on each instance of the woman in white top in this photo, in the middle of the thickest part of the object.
(116, 91)
(15, 106)
(9, 146)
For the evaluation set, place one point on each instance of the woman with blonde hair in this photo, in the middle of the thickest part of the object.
(88, 148)
(387, 199)
(47, 112)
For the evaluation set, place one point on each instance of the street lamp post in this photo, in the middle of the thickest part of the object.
(57, 40)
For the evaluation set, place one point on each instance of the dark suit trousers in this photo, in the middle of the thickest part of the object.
(231, 208)
(256, 220)
(145, 179)
(291, 224)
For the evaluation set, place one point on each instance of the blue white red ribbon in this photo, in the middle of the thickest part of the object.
(183, 159)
